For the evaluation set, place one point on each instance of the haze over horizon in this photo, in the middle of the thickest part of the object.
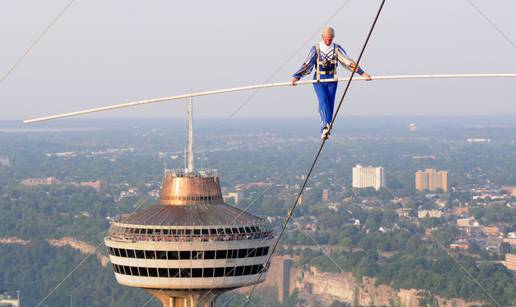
(100, 53)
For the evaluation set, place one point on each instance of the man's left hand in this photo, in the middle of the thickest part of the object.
(367, 76)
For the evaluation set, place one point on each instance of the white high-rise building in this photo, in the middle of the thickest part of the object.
(368, 176)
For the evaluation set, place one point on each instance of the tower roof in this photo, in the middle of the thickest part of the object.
(191, 199)
(191, 215)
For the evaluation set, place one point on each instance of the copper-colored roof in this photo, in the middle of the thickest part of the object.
(191, 199)
(191, 215)
(190, 189)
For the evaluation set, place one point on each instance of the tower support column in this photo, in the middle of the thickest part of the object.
(194, 298)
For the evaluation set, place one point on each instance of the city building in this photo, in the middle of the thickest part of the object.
(431, 180)
(429, 214)
(4, 161)
(189, 247)
(478, 140)
(511, 190)
(491, 231)
(462, 245)
(368, 176)
(326, 196)
(285, 271)
(404, 212)
(235, 196)
(467, 222)
(7, 300)
(510, 262)
(30, 182)
(97, 184)
(458, 211)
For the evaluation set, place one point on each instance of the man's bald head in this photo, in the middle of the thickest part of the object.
(328, 31)
(327, 35)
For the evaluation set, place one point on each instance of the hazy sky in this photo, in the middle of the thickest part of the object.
(106, 52)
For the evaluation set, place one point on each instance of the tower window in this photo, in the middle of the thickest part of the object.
(242, 253)
(163, 272)
(230, 271)
(221, 254)
(172, 255)
(254, 269)
(209, 254)
(143, 272)
(232, 253)
(259, 251)
(185, 273)
(197, 255)
(208, 272)
(239, 271)
(173, 273)
(161, 255)
(185, 255)
(153, 272)
(150, 255)
(247, 270)
(197, 273)
(219, 272)
(130, 253)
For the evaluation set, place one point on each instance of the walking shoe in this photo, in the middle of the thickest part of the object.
(325, 133)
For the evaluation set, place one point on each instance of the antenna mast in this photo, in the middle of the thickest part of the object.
(189, 138)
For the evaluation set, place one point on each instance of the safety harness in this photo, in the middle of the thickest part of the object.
(324, 65)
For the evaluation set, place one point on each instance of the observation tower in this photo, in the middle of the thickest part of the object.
(190, 246)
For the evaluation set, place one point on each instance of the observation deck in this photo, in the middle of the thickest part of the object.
(190, 246)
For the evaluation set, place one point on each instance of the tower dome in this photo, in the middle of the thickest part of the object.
(190, 246)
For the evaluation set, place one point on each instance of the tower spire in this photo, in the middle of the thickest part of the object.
(189, 137)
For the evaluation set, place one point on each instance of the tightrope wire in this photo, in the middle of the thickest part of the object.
(290, 213)
(20, 59)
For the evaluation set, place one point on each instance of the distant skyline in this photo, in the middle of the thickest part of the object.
(102, 53)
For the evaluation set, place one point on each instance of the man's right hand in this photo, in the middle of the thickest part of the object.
(294, 80)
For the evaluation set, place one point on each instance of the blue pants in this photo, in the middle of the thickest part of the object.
(326, 95)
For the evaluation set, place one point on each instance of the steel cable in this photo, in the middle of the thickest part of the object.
(290, 213)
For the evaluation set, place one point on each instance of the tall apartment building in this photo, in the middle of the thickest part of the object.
(510, 262)
(368, 176)
(431, 179)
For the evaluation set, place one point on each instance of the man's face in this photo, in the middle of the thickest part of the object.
(327, 38)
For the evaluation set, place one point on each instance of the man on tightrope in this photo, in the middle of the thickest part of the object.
(325, 56)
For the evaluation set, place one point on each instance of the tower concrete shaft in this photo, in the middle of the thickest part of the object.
(185, 298)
